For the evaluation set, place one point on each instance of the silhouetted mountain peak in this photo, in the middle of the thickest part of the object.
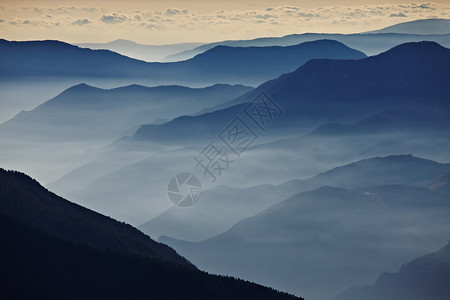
(391, 159)
(323, 42)
(415, 49)
(77, 89)
(319, 44)
(81, 87)
(409, 71)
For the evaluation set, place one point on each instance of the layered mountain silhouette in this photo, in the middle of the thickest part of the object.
(264, 63)
(183, 129)
(427, 26)
(423, 278)
(371, 43)
(324, 91)
(219, 65)
(274, 162)
(53, 248)
(222, 207)
(85, 112)
(149, 53)
(411, 70)
(317, 243)
(318, 205)
(418, 117)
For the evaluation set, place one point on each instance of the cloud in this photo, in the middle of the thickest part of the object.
(178, 24)
(397, 15)
(152, 26)
(90, 9)
(114, 18)
(424, 6)
(174, 12)
(264, 17)
(81, 22)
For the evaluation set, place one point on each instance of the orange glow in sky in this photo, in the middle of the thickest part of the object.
(162, 22)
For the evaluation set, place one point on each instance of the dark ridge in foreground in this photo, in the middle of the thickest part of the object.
(54, 249)
(24, 198)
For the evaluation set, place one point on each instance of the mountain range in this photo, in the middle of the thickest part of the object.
(323, 91)
(222, 206)
(403, 115)
(371, 43)
(149, 53)
(219, 65)
(53, 248)
(419, 117)
(340, 174)
(317, 243)
(85, 112)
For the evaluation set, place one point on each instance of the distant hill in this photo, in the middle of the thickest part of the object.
(318, 243)
(427, 26)
(83, 112)
(219, 65)
(423, 278)
(149, 53)
(184, 128)
(369, 43)
(405, 71)
(52, 248)
(55, 58)
(393, 169)
(418, 117)
(325, 90)
(222, 207)
(264, 63)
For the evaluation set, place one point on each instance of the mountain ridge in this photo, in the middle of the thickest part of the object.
(64, 263)
(20, 192)
(89, 112)
(149, 53)
(371, 43)
(351, 235)
(211, 217)
(315, 91)
(246, 66)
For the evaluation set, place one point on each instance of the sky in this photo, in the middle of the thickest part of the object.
(175, 21)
